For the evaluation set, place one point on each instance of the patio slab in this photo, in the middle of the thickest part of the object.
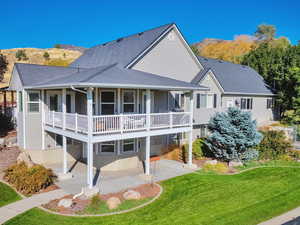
(115, 181)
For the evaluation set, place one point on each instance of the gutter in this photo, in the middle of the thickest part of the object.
(78, 90)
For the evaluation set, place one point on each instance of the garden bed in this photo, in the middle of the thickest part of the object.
(83, 206)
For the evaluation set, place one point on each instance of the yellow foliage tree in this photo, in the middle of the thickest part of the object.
(231, 51)
(58, 62)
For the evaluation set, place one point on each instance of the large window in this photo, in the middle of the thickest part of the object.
(128, 101)
(128, 145)
(107, 102)
(33, 101)
(246, 103)
(206, 101)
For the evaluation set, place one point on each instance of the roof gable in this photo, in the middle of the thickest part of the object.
(234, 78)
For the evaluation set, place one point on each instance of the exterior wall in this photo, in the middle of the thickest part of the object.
(170, 58)
(259, 109)
(20, 130)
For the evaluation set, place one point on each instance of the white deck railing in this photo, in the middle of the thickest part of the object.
(107, 124)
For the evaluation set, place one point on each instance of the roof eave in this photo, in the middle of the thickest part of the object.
(245, 93)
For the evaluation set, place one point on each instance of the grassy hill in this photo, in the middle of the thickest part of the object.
(35, 56)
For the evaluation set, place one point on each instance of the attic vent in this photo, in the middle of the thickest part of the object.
(140, 33)
(120, 39)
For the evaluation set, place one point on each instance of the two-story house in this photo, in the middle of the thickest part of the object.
(122, 101)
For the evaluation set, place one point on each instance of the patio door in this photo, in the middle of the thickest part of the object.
(107, 102)
(144, 102)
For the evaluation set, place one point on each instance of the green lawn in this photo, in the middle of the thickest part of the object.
(246, 198)
(7, 195)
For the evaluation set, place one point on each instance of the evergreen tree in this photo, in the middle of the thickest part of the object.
(233, 135)
(46, 56)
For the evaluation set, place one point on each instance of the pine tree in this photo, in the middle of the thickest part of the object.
(233, 135)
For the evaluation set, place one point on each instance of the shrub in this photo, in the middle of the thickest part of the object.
(46, 56)
(218, 168)
(249, 155)
(95, 201)
(21, 55)
(295, 154)
(273, 145)
(233, 133)
(200, 149)
(29, 180)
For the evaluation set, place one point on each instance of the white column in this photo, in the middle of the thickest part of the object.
(119, 101)
(148, 108)
(191, 110)
(90, 153)
(147, 153)
(147, 160)
(43, 118)
(65, 165)
(138, 100)
(97, 101)
(24, 117)
(64, 108)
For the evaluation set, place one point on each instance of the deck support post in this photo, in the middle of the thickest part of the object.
(190, 134)
(43, 117)
(90, 153)
(65, 165)
(64, 109)
(147, 153)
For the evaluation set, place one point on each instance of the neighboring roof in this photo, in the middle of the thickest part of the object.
(121, 51)
(116, 76)
(234, 78)
(31, 74)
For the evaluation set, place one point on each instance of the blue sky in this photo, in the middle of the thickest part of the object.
(38, 23)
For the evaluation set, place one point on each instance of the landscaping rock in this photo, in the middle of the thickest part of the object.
(10, 141)
(233, 164)
(66, 202)
(211, 162)
(131, 195)
(25, 157)
(113, 202)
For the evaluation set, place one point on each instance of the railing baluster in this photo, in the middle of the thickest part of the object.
(76, 123)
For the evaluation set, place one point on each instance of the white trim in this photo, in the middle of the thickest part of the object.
(67, 133)
(99, 148)
(24, 117)
(59, 99)
(33, 102)
(43, 118)
(125, 86)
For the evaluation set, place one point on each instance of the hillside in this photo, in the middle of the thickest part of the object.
(35, 56)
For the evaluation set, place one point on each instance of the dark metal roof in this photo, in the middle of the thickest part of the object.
(116, 76)
(121, 51)
(31, 74)
(234, 78)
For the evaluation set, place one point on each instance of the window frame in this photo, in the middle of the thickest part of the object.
(99, 150)
(246, 103)
(132, 142)
(129, 103)
(33, 102)
(270, 103)
(108, 103)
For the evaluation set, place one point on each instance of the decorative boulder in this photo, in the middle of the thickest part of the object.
(11, 141)
(25, 157)
(131, 195)
(233, 164)
(113, 202)
(66, 202)
(211, 162)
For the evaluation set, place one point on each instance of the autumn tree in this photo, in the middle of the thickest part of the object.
(3, 66)
(265, 32)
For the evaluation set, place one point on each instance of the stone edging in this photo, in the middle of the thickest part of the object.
(110, 213)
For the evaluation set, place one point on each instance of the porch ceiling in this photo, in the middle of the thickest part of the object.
(114, 76)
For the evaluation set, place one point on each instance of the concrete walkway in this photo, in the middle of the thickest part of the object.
(290, 218)
(115, 181)
(9, 211)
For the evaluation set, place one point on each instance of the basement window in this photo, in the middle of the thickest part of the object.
(128, 145)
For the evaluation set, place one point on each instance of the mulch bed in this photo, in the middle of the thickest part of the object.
(200, 163)
(146, 191)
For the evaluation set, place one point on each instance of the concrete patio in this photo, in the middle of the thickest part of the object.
(115, 181)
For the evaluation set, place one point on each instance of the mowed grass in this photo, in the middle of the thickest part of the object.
(247, 198)
(7, 195)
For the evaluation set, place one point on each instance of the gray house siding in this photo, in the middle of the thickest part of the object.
(170, 58)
